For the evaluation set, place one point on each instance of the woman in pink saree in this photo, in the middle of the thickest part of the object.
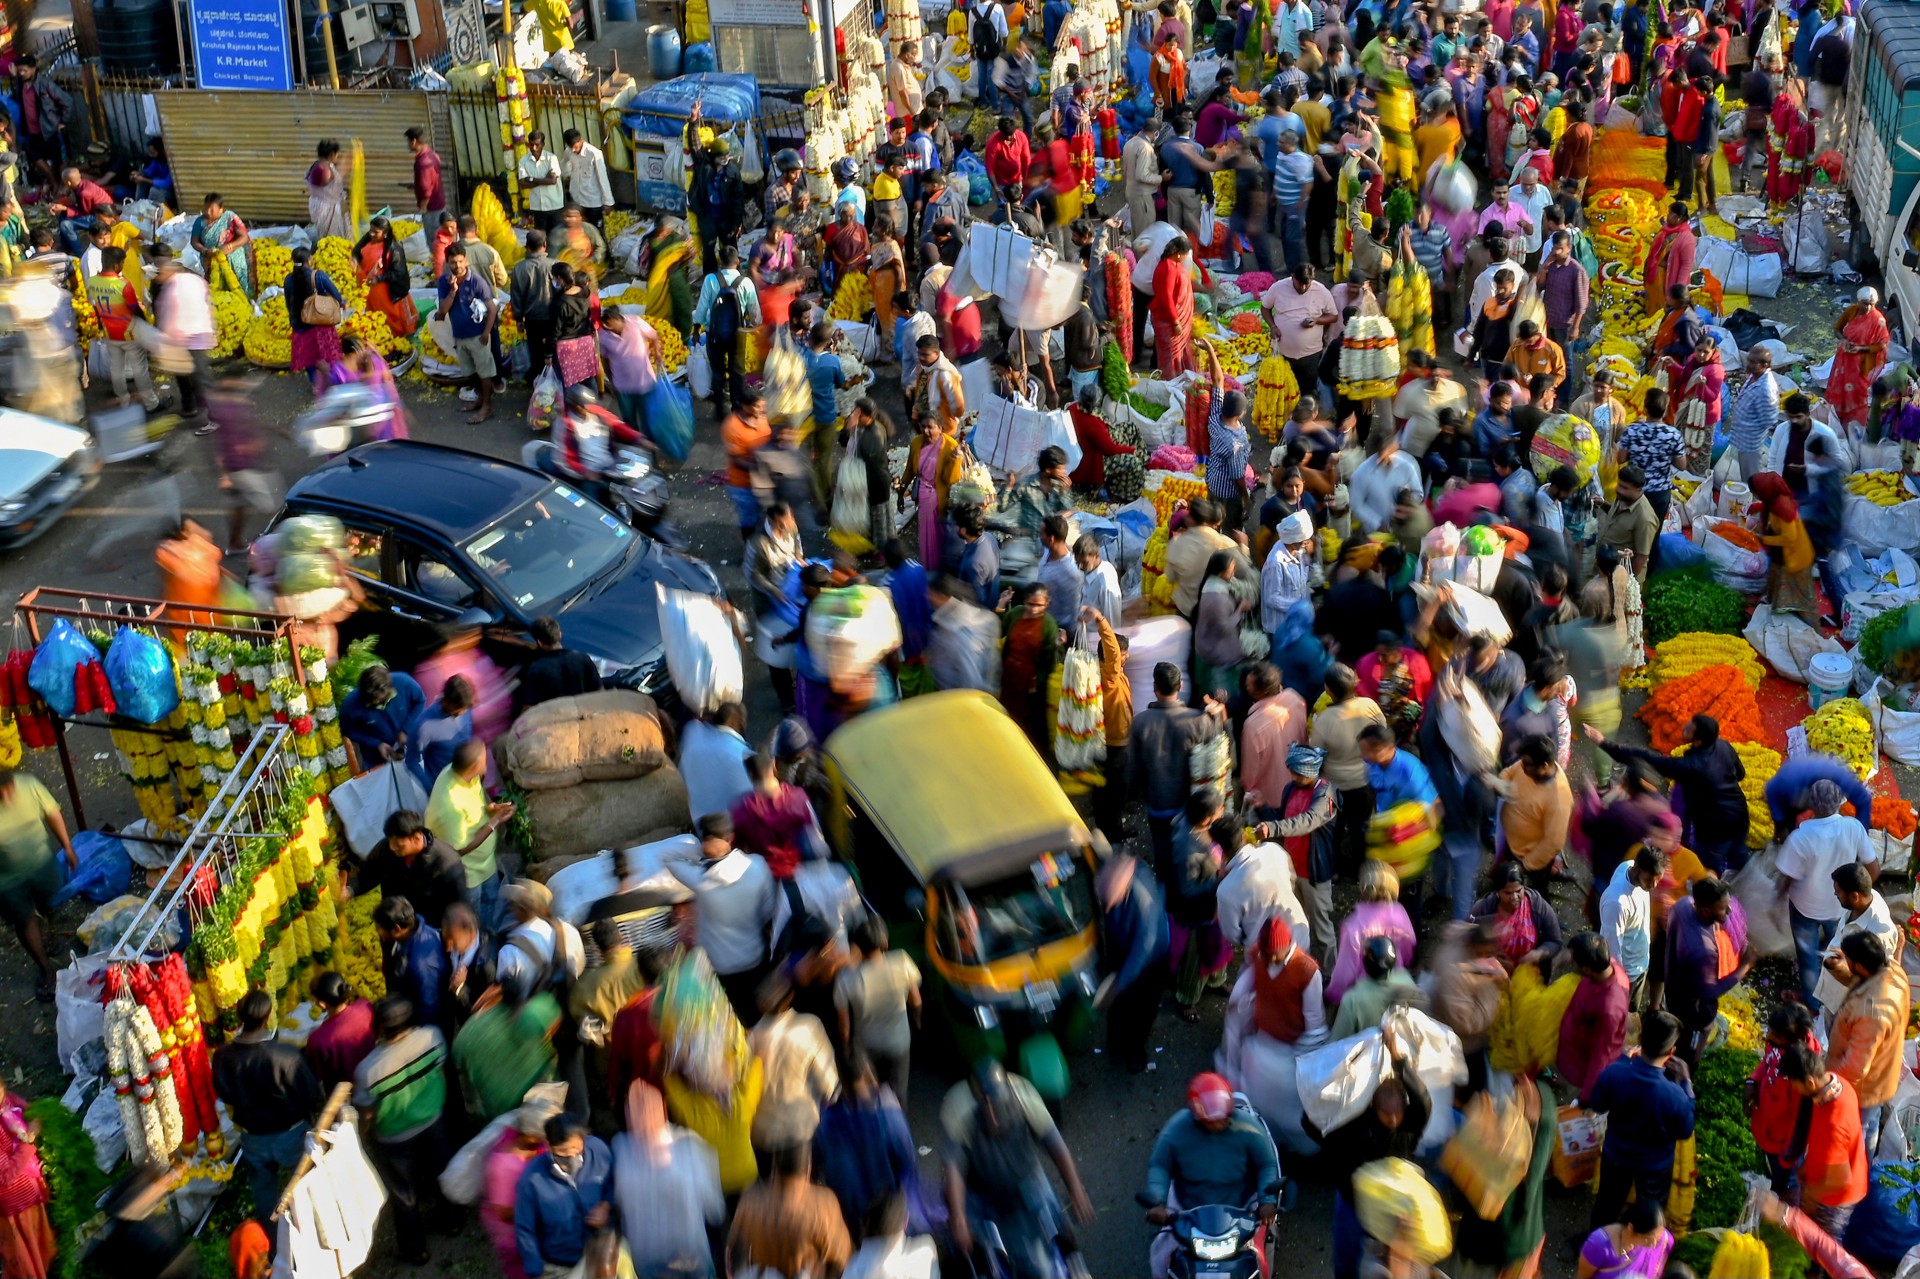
(1863, 350)
(933, 462)
(360, 363)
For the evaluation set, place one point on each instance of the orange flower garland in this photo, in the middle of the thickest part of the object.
(1738, 535)
(1247, 322)
(1719, 691)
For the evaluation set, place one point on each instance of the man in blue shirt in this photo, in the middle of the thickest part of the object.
(563, 1196)
(1649, 1103)
(378, 715)
(467, 302)
(1493, 425)
(1396, 776)
(825, 376)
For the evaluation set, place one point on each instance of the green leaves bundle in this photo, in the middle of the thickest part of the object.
(1690, 600)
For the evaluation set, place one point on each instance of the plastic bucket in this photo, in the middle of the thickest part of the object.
(1734, 500)
(663, 46)
(1829, 676)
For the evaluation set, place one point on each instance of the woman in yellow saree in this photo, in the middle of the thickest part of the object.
(663, 266)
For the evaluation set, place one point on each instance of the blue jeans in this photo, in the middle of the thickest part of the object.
(73, 234)
(1349, 1239)
(485, 900)
(1810, 940)
(265, 1156)
(746, 506)
(989, 95)
(1293, 236)
(1872, 1120)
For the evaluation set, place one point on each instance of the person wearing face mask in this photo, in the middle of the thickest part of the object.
(564, 1197)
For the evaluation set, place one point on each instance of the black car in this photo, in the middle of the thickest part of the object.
(444, 538)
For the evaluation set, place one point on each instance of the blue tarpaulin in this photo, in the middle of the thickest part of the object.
(661, 110)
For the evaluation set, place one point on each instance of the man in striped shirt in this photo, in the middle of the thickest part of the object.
(1430, 242)
(1294, 172)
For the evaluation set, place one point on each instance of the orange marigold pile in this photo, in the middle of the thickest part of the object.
(1739, 536)
(1719, 691)
(1246, 322)
(1890, 814)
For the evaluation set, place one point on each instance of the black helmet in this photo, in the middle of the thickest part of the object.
(1379, 957)
(787, 160)
(581, 396)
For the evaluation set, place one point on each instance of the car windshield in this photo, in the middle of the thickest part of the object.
(548, 549)
(1051, 900)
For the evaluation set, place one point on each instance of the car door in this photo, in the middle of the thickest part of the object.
(428, 592)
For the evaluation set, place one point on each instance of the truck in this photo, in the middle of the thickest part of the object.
(1882, 118)
(788, 45)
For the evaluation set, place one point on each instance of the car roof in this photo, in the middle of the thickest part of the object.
(446, 491)
(948, 777)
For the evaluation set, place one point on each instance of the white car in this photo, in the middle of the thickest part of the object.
(44, 468)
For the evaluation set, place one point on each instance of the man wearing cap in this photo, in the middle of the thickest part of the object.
(1287, 575)
(1299, 817)
(1209, 1153)
(1821, 845)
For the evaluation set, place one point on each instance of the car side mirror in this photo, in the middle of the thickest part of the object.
(1911, 259)
(916, 901)
(474, 618)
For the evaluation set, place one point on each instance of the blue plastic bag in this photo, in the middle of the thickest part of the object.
(51, 674)
(669, 410)
(106, 872)
(974, 170)
(1887, 1222)
(1676, 551)
(140, 673)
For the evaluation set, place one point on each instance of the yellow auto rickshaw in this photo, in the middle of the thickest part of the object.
(955, 827)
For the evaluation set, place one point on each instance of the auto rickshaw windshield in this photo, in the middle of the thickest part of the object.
(1048, 902)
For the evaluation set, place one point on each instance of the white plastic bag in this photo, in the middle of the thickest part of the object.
(1900, 1135)
(1896, 732)
(1756, 274)
(847, 521)
(1477, 614)
(1874, 528)
(1337, 1081)
(1268, 1074)
(365, 802)
(699, 371)
(1732, 565)
(1467, 724)
(102, 1123)
(1787, 643)
(465, 1175)
(1763, 895)
(1806, 241)
(79, 1018)
(703, 654)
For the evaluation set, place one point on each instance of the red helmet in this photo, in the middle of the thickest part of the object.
(1210, 1097)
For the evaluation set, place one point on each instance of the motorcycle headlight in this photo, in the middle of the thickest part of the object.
(1216, 1248)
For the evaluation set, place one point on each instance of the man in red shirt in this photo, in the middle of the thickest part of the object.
(429, 195)
(75, 205)
(1832, 1171)
(1008, 157)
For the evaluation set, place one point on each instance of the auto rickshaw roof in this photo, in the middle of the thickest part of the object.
(948, 778)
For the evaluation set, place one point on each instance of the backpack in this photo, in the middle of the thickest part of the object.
(723, 323)
(985, 38)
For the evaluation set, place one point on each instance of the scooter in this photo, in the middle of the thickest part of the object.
(1217, 1241)
(630, 488)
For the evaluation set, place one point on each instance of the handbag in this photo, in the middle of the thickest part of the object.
(319, 309)
(408, 313)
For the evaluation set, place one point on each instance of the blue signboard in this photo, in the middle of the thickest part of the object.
(242, 44)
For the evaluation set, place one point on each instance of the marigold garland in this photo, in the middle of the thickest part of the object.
(1719, 691)
(1694, 651)
(1739, 536)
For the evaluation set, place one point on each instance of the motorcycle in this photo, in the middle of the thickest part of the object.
(990, 1258)
(630, 487)
(1217, 1241)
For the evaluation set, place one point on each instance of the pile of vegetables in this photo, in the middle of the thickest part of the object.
(1114, 378)
(1723, 1138)
(1719, 691)
(1874, 637)
(1689, 600)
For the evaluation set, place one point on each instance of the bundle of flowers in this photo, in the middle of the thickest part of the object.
(1719, 691)
(853, 300)
(1694, 651)
(1275, 393)
(1842, 728)
(1738, 535)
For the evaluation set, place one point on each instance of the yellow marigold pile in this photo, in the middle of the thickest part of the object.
(1719, 691)
(853, 300)
(1842, 728)
(1882, 488)
(372, 328)
(673, 347)
(269, 340)
(1744, 1027)
(1685, 654)
(1761, 763)
(84, 317)
(232, 317)
(271, 262)
(1274, 395)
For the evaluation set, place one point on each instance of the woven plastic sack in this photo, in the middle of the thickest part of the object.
(1525, 1038)
(1468, 724)
(669, 413)
(785, 373)
(1455, 188)
(847, 523)
(1397, 1205)
(703, 656)
(1566, 440)
(849, 631)
(140, 672)
(51, 674)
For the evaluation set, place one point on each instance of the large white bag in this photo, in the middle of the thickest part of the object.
(1732, 565)
(1787, 643)
(79, 1018)
(365, 802)
(1756, 274)
(1874, 528)
(1467, 724)
(1337, 1081)
(1763, 896)
(699, 371)
(703, 654)
(1268, 1075)
(465, 1175)
(1477, 614)
(1896, 732)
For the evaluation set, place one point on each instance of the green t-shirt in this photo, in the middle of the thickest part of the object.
(456, 812)
(25, 842)
(500, 1054)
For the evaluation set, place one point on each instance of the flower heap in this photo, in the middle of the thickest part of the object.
(372, 328)
(1744, 1026)
(334, 255)
(672, 352)
(1683, 655)
(271, 262)
(1882, 488)
(269, 340)
(86, 322)
(1739, 536)
(1842, 728)
(853, 299)
(148, 767)
(326, 719)
(275, 916)
(1369, 358)
(1153, 568)
(233, 318)
(356, 951)
(1719, 691)
(617, 220)
(142, 1073)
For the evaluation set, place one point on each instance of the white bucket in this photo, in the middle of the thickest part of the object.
(1735, 497)
(1829, 676)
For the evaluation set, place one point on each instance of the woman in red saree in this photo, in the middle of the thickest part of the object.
(1173, 309)
(1863, 350)
(1029, 646)
(1499, 115)
(847, 248)
(1789, 143)
(1669, 259)
(27, 1243)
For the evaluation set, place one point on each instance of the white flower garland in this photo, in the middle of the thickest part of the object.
(119, 1067)
(142, 1083)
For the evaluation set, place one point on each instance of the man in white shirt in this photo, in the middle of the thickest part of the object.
(964, 650)
(1291, 23)
(733, 903)
(1417, 406)
(1099, 581)
(546, 187)
(1140, 166)
(1533, 198)
(1626, 917)
(1822, 844)
(713, 760)
(1258, 885)
(1865, 912)
(1376, 484)
(587, 182)
(1287, 576)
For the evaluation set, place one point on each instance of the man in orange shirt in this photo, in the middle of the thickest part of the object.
(744, 433)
